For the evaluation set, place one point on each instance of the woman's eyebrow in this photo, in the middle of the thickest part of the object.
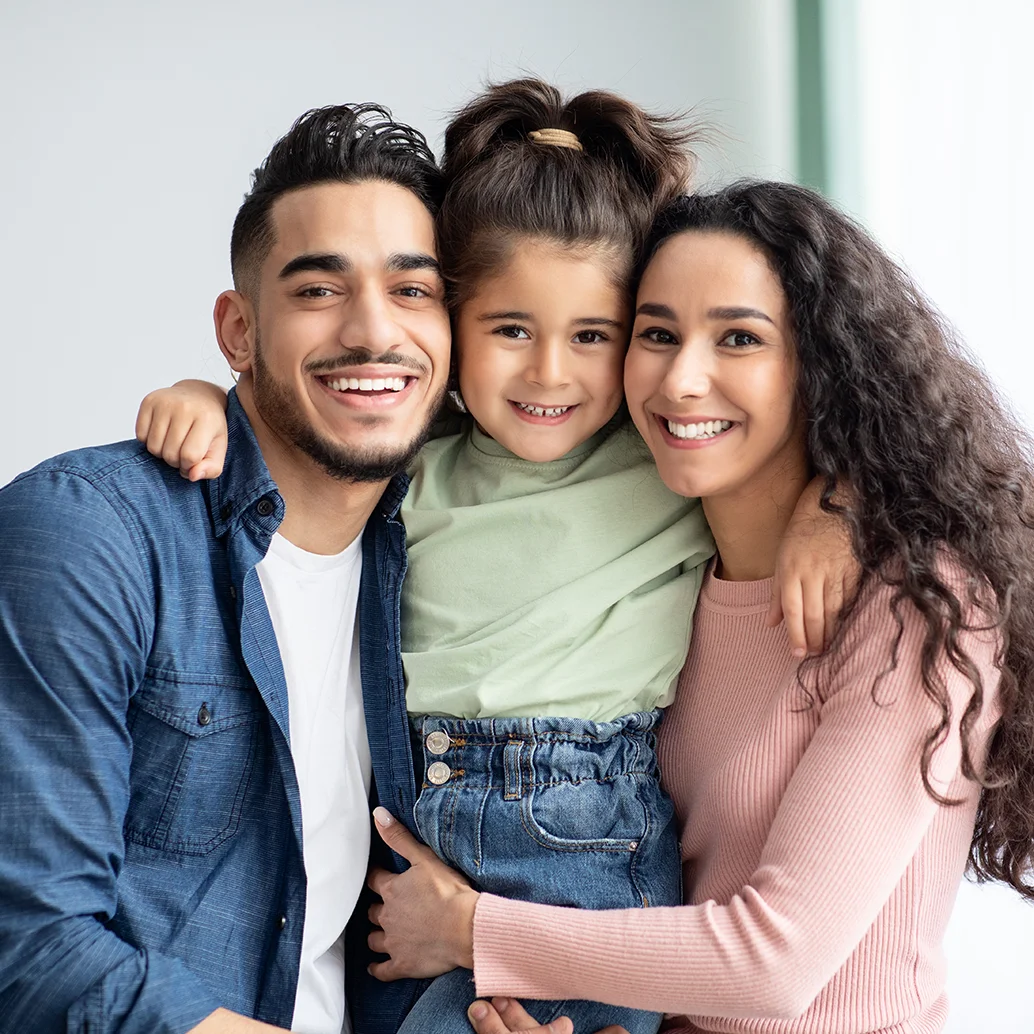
(662, 312)
(738, 312)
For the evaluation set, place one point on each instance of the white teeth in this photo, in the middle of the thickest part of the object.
(367, 384)
(542, 410)
(706, 429)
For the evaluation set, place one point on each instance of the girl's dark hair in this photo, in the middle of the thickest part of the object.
(897, 410)
(502, 185)
(337, 144)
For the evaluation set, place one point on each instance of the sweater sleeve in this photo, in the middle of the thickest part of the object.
(850, 821)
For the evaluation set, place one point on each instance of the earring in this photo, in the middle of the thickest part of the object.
(457, 400)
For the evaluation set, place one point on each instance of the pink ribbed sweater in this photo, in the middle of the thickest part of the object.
(819, 874)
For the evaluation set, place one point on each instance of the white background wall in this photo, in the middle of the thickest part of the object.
(130, 128)
(932, 126)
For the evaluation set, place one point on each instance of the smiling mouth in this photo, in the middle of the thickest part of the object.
(531, 410)
(368, 386)
(699, 431)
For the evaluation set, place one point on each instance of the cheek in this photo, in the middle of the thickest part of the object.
(642, 374)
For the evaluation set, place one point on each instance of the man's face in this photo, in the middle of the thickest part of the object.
(352, 343)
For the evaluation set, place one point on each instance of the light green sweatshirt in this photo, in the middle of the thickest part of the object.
(563, 588)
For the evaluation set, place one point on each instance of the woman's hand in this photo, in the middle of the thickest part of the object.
(185, 425)
(816, 571)
(426, 915)
(504, 1015)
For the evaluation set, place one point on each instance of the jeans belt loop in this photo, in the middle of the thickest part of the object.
(512, 770)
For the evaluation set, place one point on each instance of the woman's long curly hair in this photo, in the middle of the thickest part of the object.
(897, 410)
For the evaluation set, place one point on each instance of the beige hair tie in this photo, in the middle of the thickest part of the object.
(556, 138)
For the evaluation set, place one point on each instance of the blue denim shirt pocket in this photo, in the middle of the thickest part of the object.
(193, 752)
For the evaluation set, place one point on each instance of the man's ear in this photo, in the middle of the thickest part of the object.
(235, 329)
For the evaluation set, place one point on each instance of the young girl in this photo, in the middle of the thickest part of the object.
(552, 575)
(827, 809)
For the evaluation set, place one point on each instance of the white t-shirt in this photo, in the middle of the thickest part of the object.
(312, 602)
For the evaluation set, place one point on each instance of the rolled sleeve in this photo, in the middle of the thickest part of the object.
(77, 615)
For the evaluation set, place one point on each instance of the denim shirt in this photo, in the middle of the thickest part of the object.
(150, 840)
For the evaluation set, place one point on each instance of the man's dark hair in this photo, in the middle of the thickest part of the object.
(336, 144)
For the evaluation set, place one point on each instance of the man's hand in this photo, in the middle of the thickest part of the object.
(426, 915)
(504, 1015)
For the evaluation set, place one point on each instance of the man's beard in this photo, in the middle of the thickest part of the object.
(281, 412)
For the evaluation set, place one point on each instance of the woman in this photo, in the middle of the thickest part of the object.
(828, 809)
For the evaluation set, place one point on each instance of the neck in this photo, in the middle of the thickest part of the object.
(748, 524)
(321, 514)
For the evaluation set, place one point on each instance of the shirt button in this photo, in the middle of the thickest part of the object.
(264, 507)
(438, 772)
(233, 592)
(438, 742)
(281, 922)
(204, 716)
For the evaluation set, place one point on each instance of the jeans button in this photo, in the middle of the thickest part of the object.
(438, 742)
(438, 772)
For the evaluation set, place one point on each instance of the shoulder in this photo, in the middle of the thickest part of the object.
(108, 486)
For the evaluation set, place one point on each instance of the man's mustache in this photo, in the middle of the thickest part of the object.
(362, 356)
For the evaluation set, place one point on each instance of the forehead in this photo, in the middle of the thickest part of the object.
(366, 221)
(562, 275)
(716, 269)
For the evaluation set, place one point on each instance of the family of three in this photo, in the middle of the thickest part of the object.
(685, 668)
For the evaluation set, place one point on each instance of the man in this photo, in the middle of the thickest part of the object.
(185, 767)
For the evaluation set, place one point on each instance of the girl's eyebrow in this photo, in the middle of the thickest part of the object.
(488, 316)
(597, 321)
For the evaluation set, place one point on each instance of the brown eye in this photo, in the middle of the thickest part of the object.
(658, 336)
(739, 339)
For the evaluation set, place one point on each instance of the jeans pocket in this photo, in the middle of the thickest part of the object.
(583, 815)
(193, 747)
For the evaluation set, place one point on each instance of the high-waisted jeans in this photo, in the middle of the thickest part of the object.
(561, 811)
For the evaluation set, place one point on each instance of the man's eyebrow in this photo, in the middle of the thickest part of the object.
(738, 312)
(662, 312)
(407, 262)
(321, 262)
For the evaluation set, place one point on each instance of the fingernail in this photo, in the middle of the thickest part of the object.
(478, 1011)
(501, 1004)
(383, 817)
(798, 652)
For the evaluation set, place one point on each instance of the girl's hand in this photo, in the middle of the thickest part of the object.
(816, 571)
(185, 425)
(426, 915)
(504, 1015)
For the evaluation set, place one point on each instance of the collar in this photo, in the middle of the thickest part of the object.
(245, 478)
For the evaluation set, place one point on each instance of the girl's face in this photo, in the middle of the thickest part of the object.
(540, 349)
(710, 372)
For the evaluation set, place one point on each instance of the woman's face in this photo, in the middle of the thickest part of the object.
(710, 372)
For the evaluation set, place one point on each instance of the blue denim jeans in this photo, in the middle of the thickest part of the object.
(561, 811)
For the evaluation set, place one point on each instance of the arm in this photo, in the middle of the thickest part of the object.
(848, 825)
(816, 572)
(185, 426)
(76, 618)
